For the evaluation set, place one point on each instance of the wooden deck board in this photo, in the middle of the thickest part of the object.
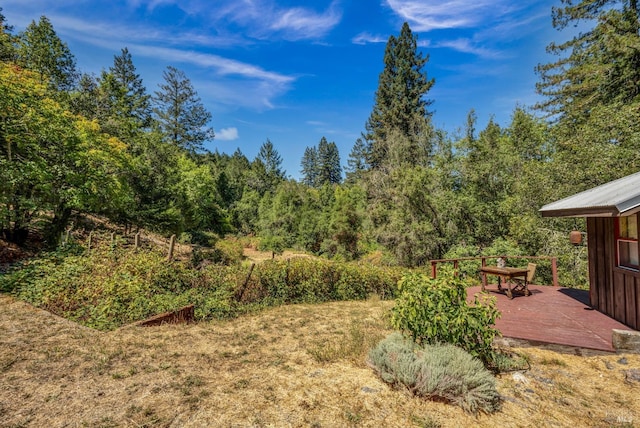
(554, 315)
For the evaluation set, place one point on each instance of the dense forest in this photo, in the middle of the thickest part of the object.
(77, 143)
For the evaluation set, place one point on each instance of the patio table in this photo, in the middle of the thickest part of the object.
(508, 274)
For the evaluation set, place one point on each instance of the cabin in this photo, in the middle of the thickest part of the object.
(612, 212)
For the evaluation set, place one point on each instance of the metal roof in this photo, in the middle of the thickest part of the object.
(616, 198)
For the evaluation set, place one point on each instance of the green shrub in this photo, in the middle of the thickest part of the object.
(231, 250)
(434, 311)
(437, 372)
(105, 288)
(311, 280)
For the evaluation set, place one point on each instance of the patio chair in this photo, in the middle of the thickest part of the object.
(522, 284)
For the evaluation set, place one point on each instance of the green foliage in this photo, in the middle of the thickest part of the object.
(108, 288)
(436, 372)
(42, 51)
(435, 311)
(179, 112)
(228, 251)
(308, 280)
(400, 102)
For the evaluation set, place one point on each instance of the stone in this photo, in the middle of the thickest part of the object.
(626, 340)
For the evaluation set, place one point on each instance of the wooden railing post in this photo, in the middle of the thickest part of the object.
(172, 244)
(554, 271)
(434, 269)
(483, 262)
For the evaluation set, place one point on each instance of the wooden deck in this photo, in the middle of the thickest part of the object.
(554, 316)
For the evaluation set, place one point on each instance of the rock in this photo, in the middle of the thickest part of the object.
(519, 377)
(632, 375)
(625, 340)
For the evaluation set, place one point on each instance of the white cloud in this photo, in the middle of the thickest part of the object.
(468, 46)
(433, 15)
(365, 38)
(264, 19)
(227, 134)
(301, 23)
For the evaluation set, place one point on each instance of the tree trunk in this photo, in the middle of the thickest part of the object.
(54, 229)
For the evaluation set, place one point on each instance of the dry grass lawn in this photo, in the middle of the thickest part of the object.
(293, 366)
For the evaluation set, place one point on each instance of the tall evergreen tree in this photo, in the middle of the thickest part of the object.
(357, 161)
(41, 50)
(271, 163)
(596, 67)
(329, 169)
(85, 100)
(309, 166)
(7, 40)
(593, 92)
(400, 102)
(180, 114)
(125, 103)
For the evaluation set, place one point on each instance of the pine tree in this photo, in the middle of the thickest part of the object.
(271, 163)
(400, 103)
(329, 169)
(309, 167)
(41, 50)
(593, 92)
(596, 67)
(7, 40)
(125, 104)
(179, 112)
(357, 161)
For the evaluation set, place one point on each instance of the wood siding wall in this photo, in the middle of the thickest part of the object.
(612, 290)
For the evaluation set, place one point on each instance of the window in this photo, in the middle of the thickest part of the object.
(627, 242)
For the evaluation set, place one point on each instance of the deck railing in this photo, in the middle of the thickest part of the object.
(483, 261)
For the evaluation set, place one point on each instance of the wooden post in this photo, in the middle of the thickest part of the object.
(484, 275)
(246, 282)
(113, 239)
(172, 244)
(434, 269)
(136, 240)
(554, 271)
(89, 243)
(455, 267)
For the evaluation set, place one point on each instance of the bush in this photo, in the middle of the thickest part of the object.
(307, 280)
(434, 311)
(437, 372)
(105, 289)
(226, 251)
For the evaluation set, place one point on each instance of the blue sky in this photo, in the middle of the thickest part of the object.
(293, 71)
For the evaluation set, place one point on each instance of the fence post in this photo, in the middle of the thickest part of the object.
(484, 275)
(113, 238)
(89, 243)
(240, 295)
(136, 240)
(554, 271)
(172, 244)
(434, 269)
